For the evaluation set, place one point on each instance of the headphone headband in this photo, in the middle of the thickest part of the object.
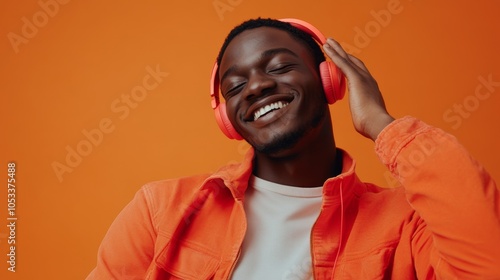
(306, 27)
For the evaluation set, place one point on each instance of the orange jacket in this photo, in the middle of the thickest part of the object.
(443, 223)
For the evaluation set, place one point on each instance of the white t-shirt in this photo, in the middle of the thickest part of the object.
(277, 243)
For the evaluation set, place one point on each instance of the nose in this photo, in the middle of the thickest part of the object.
(259, 84)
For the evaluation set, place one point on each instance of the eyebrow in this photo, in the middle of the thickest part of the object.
(264, 55)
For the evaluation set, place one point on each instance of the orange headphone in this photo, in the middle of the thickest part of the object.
(331, 77)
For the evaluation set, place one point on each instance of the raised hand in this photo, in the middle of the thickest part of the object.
(368, 111)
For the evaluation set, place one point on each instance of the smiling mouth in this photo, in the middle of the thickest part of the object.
(269, 108)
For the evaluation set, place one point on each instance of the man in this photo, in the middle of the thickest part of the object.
(294, 208)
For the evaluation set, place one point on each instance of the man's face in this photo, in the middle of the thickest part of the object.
(273, 92)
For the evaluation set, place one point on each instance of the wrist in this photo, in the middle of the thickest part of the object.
(378, 125)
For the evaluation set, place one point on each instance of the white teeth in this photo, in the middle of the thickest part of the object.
(266, 109)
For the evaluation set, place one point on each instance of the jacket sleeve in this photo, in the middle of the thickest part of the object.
(128, 247)
(455, 197)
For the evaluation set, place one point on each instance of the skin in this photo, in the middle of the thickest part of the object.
(295, 145)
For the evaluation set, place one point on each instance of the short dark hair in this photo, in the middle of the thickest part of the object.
(299, 35)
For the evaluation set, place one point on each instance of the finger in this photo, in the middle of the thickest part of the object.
(337, 47)
(360, 64)
(343, 63)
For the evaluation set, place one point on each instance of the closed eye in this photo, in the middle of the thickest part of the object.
(233, 90)
(281, 69)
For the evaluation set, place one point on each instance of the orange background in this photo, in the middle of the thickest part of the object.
(65, 79)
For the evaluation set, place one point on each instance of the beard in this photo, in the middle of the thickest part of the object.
(288, 140)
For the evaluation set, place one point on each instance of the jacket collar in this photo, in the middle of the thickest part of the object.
(346, 184)
(236, 176)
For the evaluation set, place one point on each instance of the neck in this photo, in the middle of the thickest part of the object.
(309, 166)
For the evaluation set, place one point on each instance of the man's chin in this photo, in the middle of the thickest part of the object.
(280, 145)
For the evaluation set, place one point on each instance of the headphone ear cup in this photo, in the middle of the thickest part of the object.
(224, 122)
(333, 81)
